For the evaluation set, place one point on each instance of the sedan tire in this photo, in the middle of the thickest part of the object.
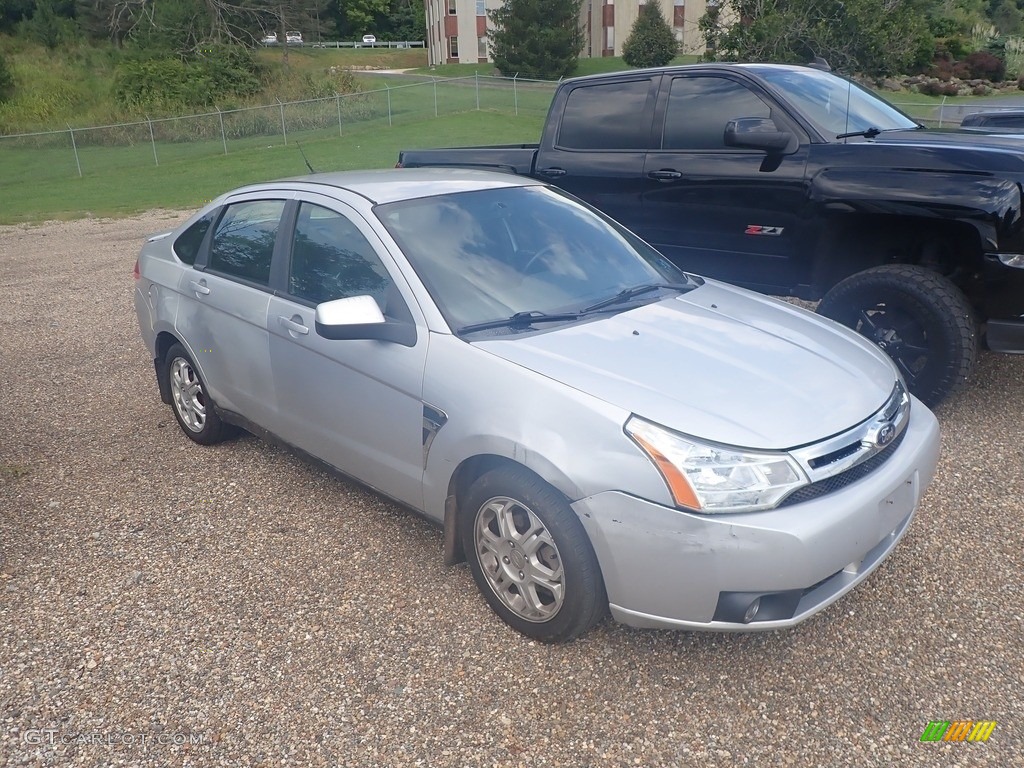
(192, 406)
(531, 557)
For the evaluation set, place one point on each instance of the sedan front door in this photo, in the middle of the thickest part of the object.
(355, 404)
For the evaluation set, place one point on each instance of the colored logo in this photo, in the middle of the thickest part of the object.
(958, 730)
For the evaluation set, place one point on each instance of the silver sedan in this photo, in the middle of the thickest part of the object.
(594, 429)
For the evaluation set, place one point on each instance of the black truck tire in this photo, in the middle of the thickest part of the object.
(920, 318)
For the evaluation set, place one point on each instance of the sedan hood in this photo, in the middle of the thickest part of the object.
(717, 363)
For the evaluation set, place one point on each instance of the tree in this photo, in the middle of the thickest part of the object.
(6, 81)
(878, 37)
(355, 18)
(539, 39)
(1007, 18)
(51, 24)
(650, 42)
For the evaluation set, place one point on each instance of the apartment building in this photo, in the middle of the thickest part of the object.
(457, 29)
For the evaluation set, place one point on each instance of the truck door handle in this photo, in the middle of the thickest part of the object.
(552, 173)
(293, 324)
(666, 174)
(200, 287)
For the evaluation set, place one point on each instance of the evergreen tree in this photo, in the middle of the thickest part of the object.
(650, 42)
(539, 39)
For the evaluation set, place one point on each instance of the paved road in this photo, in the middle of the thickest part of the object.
(265, 613)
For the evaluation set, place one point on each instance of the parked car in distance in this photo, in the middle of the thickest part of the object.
(996, 120)
(369, 39)
(270, 38)
(593, 428)
(293, 38)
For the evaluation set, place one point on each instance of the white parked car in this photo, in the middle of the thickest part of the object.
(270, 38)
(594, 429)
(293, 38)
(369, 39)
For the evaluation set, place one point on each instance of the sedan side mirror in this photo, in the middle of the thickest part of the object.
(359, 317)
(757, 133)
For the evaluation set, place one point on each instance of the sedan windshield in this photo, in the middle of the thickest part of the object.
(527, 252)
(836, 106)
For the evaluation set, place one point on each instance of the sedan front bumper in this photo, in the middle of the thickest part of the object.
(665, 568)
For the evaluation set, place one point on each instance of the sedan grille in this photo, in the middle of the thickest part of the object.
(837, 482)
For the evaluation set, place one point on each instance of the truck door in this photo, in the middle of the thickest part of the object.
(596, 151)
(724, 212)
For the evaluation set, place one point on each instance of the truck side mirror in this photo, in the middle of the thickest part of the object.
(756, 133)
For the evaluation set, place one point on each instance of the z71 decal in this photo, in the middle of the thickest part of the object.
(756, 229)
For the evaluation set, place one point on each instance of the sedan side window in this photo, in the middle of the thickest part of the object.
(186, 247)
(700, 107)
(243, 244)
(331, 259)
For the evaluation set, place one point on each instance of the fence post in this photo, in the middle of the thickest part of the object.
(435, 97)
(223, 136)
(515, 93)
(941, 107)
(152, 141)
(337, 98)
(74, 147)
(284, 129)
(476, 75)
(388, 90)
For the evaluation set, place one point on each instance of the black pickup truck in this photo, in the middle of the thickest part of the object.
(796, 182)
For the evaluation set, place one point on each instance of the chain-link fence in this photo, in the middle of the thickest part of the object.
(148, 143)
(152, 142)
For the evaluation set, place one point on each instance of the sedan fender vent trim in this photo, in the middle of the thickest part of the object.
(433, 420)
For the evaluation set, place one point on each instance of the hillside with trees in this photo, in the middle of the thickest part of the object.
(109, 60)
(97, 61)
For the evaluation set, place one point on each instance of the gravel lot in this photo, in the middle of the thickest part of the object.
(266, 613)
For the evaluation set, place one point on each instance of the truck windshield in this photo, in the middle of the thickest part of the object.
(527, 251)
(835, 105)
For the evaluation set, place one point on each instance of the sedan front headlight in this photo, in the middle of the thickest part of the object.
(716, 478)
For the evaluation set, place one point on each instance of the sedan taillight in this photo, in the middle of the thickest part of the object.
(135, 272)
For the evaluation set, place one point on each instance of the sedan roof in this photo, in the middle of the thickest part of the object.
(391, 185)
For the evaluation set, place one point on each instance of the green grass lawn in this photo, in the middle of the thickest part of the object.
(191, 181)
(587, 66)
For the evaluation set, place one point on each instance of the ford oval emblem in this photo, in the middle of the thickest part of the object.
(885, 435)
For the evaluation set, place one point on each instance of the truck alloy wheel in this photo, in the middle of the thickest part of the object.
(921, 320)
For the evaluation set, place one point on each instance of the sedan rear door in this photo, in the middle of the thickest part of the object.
(223, 315)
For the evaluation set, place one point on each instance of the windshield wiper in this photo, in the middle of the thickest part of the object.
(867, 133)
(629, 293)
(520, 320)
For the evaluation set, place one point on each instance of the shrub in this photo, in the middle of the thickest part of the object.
(651, 42)
(213, 73)
(938, 89)
(982, 65)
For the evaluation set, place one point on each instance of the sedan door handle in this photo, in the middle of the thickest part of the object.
(552, 173)
(293, 324)
(200, 287)
(665, 175)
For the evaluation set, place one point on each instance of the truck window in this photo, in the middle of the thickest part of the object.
(700, 107)
(606, 116)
